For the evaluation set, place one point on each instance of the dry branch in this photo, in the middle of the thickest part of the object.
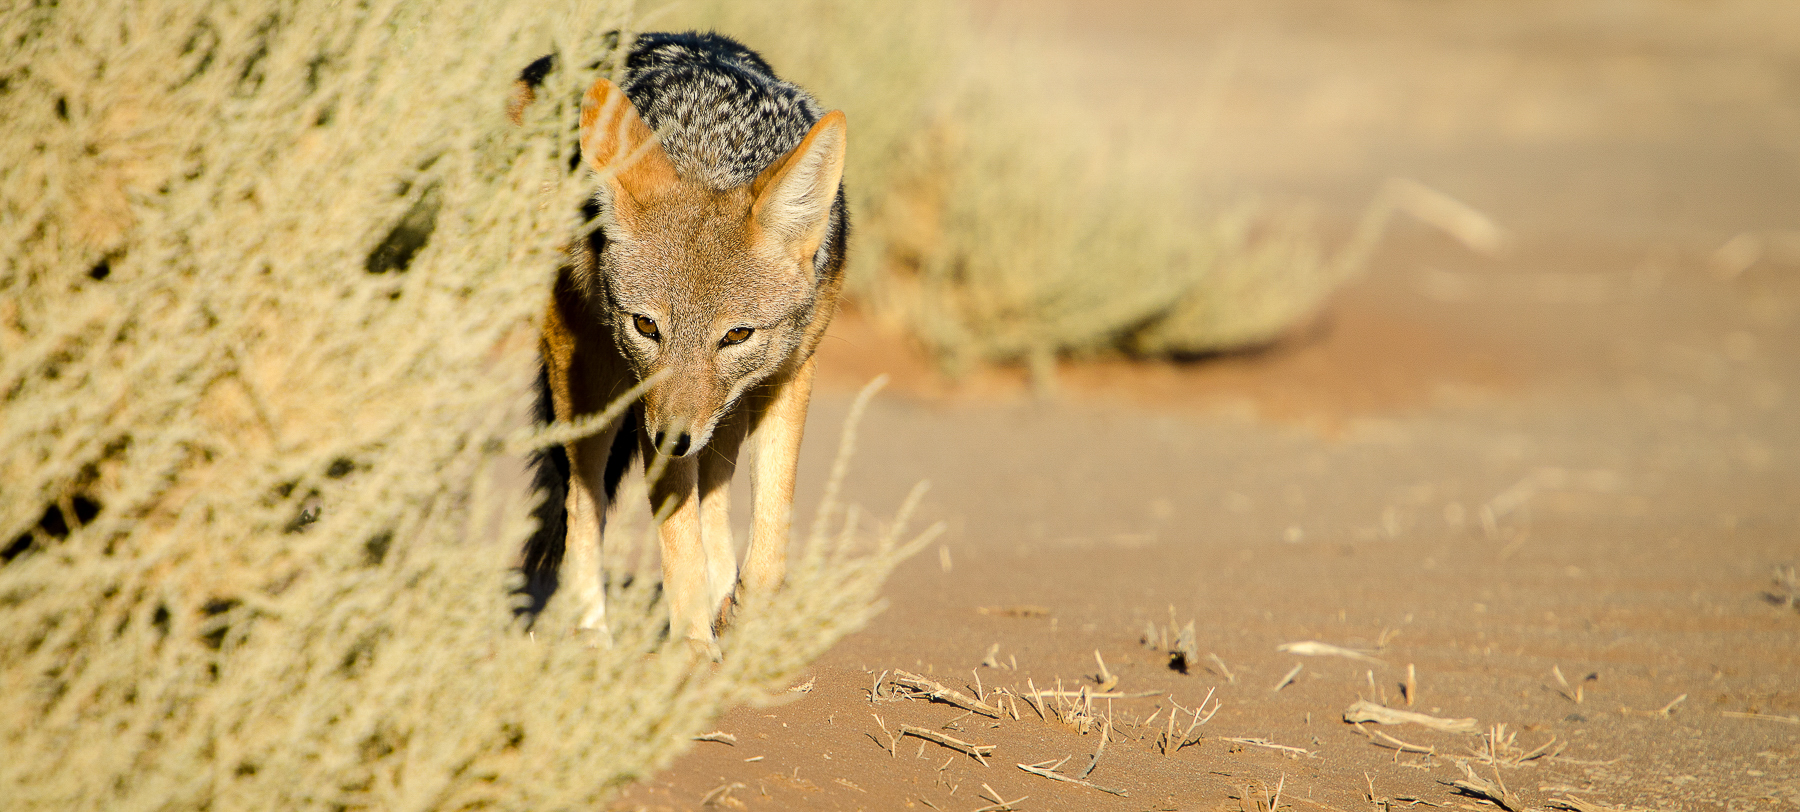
(1048, 772)
(999, 804)
(1366, 711)
(1314, 648)
(1094, 760)
(1764, 717)
(1479, 787)
(1096, 694)
(1384, 740)
(1273, 746)
(935, 691)
(1219, 665)
(1574, 804)
(979, 752)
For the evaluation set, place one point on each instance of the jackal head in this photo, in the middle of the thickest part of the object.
(718, 287)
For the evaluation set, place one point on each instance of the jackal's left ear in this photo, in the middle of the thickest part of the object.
(795, 194)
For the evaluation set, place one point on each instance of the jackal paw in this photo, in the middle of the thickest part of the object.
(705, 649)
(727, 611)
(593, 631)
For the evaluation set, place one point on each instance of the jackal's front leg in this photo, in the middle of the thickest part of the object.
(587, 504)
(718, 462)
(675, 498)
(777, 445)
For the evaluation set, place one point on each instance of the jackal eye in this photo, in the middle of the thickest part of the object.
(735, 335)
(646, 326)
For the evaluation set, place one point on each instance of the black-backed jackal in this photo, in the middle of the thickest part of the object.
(717, 265)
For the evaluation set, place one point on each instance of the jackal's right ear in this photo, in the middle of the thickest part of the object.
(617, 143)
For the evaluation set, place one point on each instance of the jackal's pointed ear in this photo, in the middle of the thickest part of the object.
(617, 143)
(795, 194)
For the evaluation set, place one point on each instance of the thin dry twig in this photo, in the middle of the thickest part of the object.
(1273, 746)
(1219, 665)
(1763, 717)
(1498, 748)
(979, 752)
(717, 736)
(1036, 699)
(999, 804)
(1384, 740)
(1050, 773)
(1666, 709)
(1314, 648)
(1573, 693)
(1108, 680)
(1097, 694)
(1365, 711)
(1574, 804)
(893, 740)
(719, 793)
(1168, 742)
(937, 692)
(1094, 760)
(1479, 787)
(1287, 680)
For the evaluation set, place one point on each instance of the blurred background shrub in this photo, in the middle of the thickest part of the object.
(1002, 220)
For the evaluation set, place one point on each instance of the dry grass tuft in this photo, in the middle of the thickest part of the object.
(266, 321)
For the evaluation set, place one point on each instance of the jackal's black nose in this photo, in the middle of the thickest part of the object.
(682, 441)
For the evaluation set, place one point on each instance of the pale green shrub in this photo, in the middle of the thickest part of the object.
(1000, 221)
(294, 592)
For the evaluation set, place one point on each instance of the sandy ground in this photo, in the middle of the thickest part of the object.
(1578, 457)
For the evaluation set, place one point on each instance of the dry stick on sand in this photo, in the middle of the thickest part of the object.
(1497, 747)
(1108, 680)
(1230, 678)
(1381, 739)
(979, 752)
(719, 792)
(1314, 648)
(1570, 692)
(1574, 804)
(717, 736)
(1662, 712)
(1285, 681)
(999, 804)
(1366, 711)
(1479, 787)
(893, 740)
(1411, 686)
(1273, 746)
(1762, 717)
(1050, 773)
(937, 692)
(1037, 699)
(1168, 742)
(1097, 695)
(1094, 760)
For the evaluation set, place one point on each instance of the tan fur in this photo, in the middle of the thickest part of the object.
(697, 263)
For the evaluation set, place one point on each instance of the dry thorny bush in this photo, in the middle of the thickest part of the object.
(270, 271)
